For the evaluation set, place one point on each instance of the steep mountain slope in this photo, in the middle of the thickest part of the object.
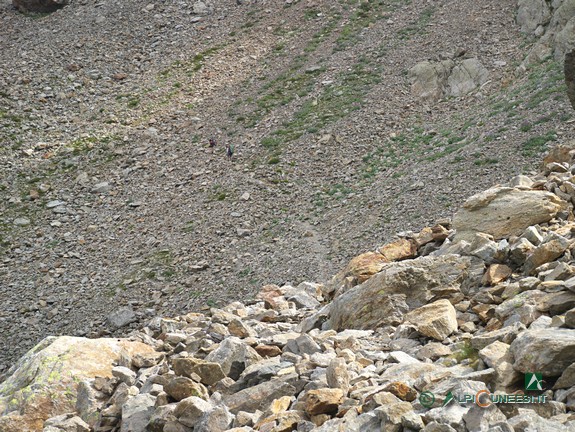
(111, 196)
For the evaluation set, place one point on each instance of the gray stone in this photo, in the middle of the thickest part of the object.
(498, 356)
(21, 221)
(161, 416)
(367, 422)
(567, 378)
(121, 318)
(66, 423)
(102, 187)
(570, 318)
(549, 351)
(466, 77)
(528, 421)
(190, 410)
(258, 397)
(303, 344)
(39, 6)
(451, 415)
(428, 80)
(531, 14)
(479, 418)
(233, 356)
(218, 419)
(436, 320)
(337, 374)
(124, 374)
(505, 335)
(136, 412)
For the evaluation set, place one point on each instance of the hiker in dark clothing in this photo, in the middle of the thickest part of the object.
(229, 151)
(212, 142)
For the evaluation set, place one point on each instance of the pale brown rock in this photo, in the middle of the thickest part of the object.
(323, 401)
(437, 320)
(546, 252)
(495, 274)
(402, 391)
(503, 212)
(360, 269)
(45, 381)
(209, 372)
(399, 250)
(180, 388)
(400, 286)
(268, 350)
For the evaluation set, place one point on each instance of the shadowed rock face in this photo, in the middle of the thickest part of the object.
(569, 66)
(39, 5)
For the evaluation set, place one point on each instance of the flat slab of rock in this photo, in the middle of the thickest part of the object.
(503, 212)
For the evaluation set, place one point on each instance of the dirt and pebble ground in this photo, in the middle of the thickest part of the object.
(111, 197)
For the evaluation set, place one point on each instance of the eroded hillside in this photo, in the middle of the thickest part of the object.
(112, 198)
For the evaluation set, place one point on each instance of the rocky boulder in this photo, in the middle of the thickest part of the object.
(503, 211)
(44, 383)
(549, 351)
(433, 80)
(532, 15)
(395, 290)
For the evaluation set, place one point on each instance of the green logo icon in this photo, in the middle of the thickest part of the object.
(427, 399)
(448, 398)
(533, 381)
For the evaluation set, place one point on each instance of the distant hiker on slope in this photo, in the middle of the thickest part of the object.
(212, 142)
(230, 151)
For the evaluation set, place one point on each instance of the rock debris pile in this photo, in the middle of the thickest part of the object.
(404, 338)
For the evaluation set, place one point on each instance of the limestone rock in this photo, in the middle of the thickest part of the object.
(531, 14)
(498, 356)
(495, 274)
(323, 401)
(436, 320)
(137, 411)
(466, 77)
(386, 297)
(360, 269)
(233, 356)
(181, 388)
(190, 410)
(549, 351)
(259, 396)
(45, 380)
(399, 250)
(546, 252)
(502, 212)
(428, 80)
(209, 372)
(66, 423)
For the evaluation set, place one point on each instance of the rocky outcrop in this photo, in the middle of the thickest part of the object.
(39, 6)
(554, 24)
(434, 80)
(429, 315)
